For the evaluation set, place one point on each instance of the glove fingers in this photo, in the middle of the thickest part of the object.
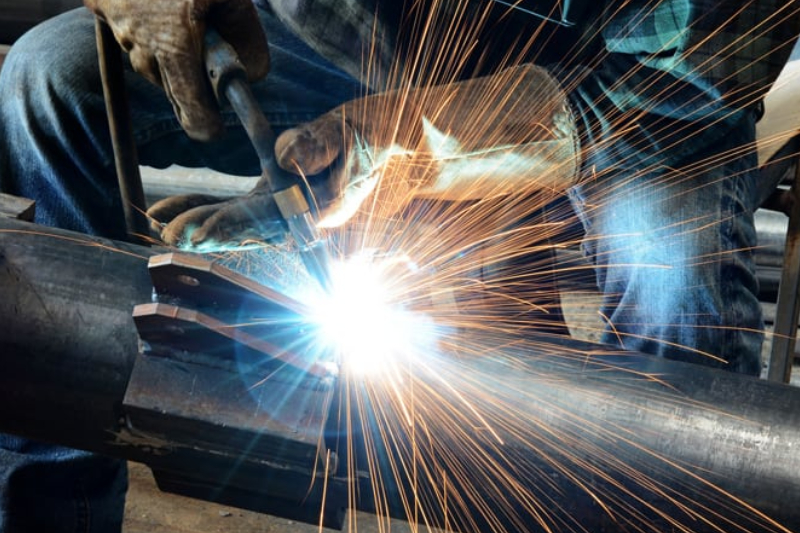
(179, 231)
(165, 211)
(197, 219)
(311, 148)
(253, 217)
(184, 80)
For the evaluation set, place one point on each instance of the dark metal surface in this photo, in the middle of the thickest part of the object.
(68, 338)
(126, 159)
(560, 433)
(608, 444)
(68, 344)
(260, 426)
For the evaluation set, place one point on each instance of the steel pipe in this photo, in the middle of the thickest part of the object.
(570, 436)
(528, 435)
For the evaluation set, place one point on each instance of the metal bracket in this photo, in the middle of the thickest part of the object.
(17, 207)
(223, 367)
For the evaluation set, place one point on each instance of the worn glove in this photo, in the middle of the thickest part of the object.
(206, 223)
(509, 132)
(165, 41)
(202, 222)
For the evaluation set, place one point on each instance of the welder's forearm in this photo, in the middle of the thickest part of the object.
(511, 133)
(539, 167)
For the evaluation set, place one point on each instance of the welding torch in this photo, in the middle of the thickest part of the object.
(229, 82)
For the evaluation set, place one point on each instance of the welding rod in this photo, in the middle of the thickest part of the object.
(228, 79)
(119, 123)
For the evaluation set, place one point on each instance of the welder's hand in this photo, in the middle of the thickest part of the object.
(206, 223)
(165, 41)
(463, 141)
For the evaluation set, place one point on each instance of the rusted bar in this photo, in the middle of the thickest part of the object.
(787, 311)
(119, 122)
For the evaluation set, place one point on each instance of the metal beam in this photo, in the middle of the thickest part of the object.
(68, 345)
(528, 435)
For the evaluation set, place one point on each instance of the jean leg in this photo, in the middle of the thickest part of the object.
(55, 489)
(672, 252)
(54, 145)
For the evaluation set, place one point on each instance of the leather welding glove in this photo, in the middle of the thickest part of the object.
(512, 132)
(165, 41)
(201, 222)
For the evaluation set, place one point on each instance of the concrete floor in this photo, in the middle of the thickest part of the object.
(149, 510)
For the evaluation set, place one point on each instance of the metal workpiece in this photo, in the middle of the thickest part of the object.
(526, 434)
(205, 311)
(126, 160)
(73, 373)
(67, 334)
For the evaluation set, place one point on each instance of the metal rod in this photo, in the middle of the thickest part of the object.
(787, 311)
(229, 81)
(119, 122)
(567, 435)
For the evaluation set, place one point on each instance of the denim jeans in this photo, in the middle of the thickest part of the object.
(55, 149)
(672, 250)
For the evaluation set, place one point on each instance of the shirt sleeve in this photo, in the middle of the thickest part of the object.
(675, 75)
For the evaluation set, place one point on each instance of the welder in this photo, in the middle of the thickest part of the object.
(648, 124)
